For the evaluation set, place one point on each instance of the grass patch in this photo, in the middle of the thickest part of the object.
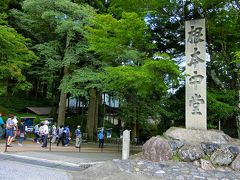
(176, 157)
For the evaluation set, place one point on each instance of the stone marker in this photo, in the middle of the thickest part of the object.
(196, 103)
(126, 145)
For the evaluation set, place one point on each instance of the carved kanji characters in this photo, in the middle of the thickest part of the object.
(195, 103)
(195, 35)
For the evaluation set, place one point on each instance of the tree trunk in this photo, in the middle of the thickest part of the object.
(134, 129)
(62, 103)
(6, 87)
(63, 95)
(92, 119)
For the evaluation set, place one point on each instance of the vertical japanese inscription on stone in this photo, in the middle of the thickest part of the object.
(195, 100)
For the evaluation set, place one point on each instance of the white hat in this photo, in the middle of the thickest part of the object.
(46, 122)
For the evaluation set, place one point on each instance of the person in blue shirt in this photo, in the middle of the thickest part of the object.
(101, 138)
(67, 135)
(78, 137)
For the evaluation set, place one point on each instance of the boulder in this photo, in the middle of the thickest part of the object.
(190, 153)
(222, 157)
(157, 149)
(234, 150)
(197, 136)
(209, 148)
(236, 163)
(175, 145)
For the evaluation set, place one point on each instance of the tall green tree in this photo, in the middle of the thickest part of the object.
(58, 29)
(125, 45)
(15, 56)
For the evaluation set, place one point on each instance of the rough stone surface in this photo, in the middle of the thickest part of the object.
(222, 157)
(171, 170)
(190, 153)
(197, 136)
(206, 165)
(234, 150)
(157, 149)
(175, 145)
(236, 163)
(209, 148)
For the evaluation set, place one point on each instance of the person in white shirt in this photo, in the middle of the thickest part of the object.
(45, 134)
(15, 127)
(54, 134)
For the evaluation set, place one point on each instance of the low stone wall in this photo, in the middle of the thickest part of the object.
(216, 150)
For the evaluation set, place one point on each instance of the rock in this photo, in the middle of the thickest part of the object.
(175, 145)
(206, 165)
(190, 153)
(196, 163)
(236, 163)
(157, 149)
(234, 150)
(197, 136)
(222, 157)
(209, 148)
(224, 169)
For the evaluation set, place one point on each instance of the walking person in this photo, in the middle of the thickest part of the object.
(36, 133)
(78, 137)
(54, 134)
(9, 129)
(15, 127)
(101, 138)
(41, 133)
(67, 135)
(60, 135)
(45, 134)
(22, 132)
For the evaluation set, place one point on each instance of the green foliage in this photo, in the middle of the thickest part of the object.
(177, 158)
(151, 78)
(99, 5)
(57, 28)
(15, 57)
(81, 81)
(118, 41)
(221, 106)
(17, 104)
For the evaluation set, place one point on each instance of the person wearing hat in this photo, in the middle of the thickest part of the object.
(45, 134)
(78, 137)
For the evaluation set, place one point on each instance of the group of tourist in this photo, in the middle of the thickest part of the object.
(62, 134)
(13, 128)
(44, 133)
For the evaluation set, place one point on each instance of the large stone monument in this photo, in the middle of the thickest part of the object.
(196, 103)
